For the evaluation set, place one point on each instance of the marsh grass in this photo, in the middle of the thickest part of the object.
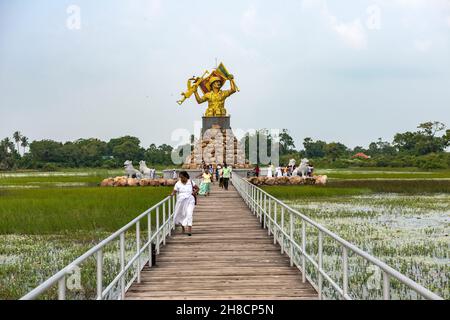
(44, 228)
(336, 188)
(410, 232)
(384, 173)
(56, 210)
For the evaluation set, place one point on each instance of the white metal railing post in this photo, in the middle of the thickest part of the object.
(149, 235)
(260, 207)
(138, 249)
(164, 223)
(320, 279)
(275, 223)
(265, 211)
(252, 206)
(270, 216)
(304, 250)
(386, 286)
(170, 216)
(256, 202)
(62, 288)
(99, 274)
(291, 237)
(282, 230)
(157, 230)
(122, 265)
(344, 272)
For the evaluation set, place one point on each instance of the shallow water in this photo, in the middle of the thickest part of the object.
(410, 233)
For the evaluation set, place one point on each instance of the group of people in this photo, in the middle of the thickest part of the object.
(209, 174)
(187, 192)
(287, 171)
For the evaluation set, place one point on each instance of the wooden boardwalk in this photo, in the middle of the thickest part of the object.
(229, 256)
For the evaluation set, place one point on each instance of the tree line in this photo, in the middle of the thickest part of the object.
(49, 154)
(424, 148)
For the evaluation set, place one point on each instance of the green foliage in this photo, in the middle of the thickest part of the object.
(314, 149)
(55, 210)
(159, 155)
(423, 141)
(8, 155)
(286, 142)
(424, 148)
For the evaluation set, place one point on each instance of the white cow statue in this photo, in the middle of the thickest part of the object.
(130, 170)
(146, 171)
(303, 168)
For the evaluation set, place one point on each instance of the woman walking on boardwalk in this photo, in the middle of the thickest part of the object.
(226, 175)
(186, 191)
(205, 186)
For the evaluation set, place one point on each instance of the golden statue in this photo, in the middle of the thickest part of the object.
(192, 85)
(211, 87)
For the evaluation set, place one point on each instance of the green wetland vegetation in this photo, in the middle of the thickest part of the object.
(401, 216)
(403, 222)
(48, 219)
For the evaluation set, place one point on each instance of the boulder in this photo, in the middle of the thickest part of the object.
(132, 182)
(321, 180)
(109, 182)
(155, 182)
(170, 182)
(295, 180)
(121, 183)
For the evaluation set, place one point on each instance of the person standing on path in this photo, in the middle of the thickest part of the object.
(205, 186)
(257, 170)
(217, 172)
(270, 171)
(186, 191)
(221, 177)
(226, 174)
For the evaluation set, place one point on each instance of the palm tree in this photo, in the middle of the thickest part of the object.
(24, 143)
(9, 145)
(17, 136)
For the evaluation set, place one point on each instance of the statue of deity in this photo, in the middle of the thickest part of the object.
(216, 97)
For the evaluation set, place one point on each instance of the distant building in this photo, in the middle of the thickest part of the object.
(360, 155)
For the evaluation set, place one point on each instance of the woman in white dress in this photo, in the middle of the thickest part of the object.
(186, 190)
(270, 171)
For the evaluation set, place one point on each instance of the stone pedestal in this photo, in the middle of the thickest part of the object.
(217, 145)
(215, 123)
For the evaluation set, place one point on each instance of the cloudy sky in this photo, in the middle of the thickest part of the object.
(348, 71)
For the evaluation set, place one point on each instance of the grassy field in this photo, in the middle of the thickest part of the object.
(49, 218)
(50, 211)
(404, 222)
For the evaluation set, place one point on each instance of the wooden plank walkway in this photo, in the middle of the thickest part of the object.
(228, 256)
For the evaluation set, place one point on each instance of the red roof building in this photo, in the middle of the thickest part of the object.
(361, 155)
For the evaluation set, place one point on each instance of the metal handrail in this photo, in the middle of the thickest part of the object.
(157, 236)
(260, 202)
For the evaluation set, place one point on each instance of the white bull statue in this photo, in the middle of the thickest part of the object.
(130, 170)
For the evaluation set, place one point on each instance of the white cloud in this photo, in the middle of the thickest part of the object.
(417, 4)
(423, 45)
(256, 26)
(351, 33)
(448, 21)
